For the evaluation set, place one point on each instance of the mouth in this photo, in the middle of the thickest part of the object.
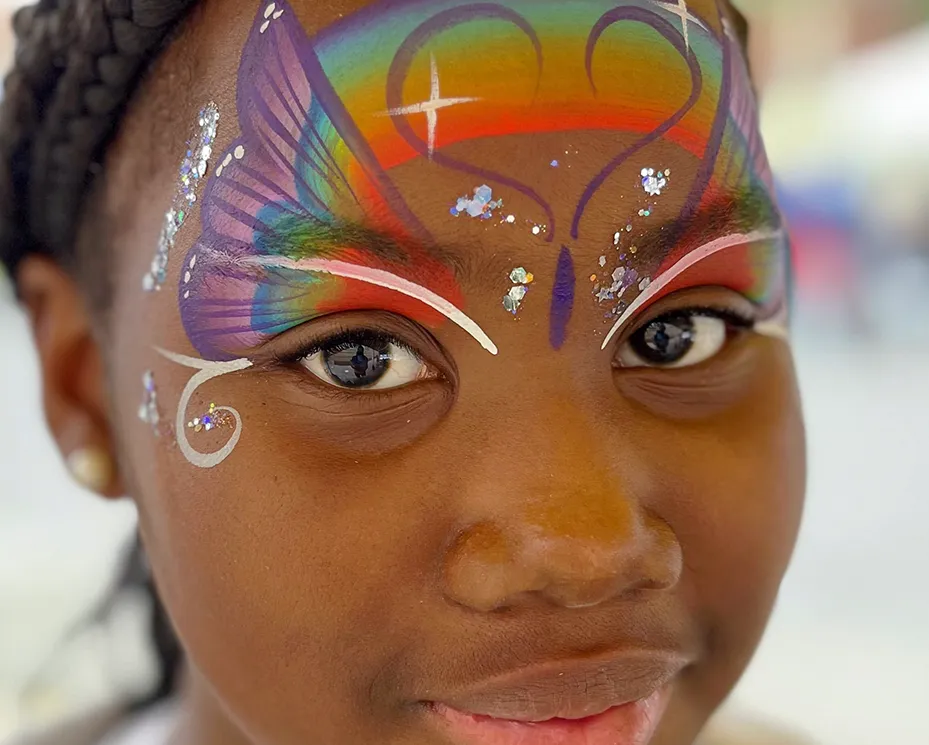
(616, 701)
(628, 724)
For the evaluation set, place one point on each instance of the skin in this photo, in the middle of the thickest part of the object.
(360, 552)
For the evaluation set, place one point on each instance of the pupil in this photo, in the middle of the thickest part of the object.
(357, 365)
(665, 341)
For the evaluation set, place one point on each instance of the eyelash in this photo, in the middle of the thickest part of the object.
(347, 336)
(341, 339)
(738, 319)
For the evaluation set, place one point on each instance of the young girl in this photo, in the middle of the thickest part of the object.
(440, 344)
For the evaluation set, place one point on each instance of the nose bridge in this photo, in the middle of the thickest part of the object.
(552, 518)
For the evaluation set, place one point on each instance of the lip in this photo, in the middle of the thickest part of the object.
(632, 723)
(570, 690)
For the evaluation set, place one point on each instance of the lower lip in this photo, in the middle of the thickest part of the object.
(630, 724)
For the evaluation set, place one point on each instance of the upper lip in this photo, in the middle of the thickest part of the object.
(573, 689)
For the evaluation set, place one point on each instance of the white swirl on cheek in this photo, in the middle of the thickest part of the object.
(208, 371)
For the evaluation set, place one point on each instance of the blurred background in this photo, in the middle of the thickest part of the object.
(845, 88)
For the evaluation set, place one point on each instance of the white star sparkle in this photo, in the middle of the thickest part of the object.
(431, 107)
(681, 10)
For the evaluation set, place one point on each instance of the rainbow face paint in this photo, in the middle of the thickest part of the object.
(303, 215)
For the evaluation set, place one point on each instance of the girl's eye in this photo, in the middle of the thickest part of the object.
(365, 362)
(678, 339)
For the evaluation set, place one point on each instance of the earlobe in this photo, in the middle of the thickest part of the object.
(72, 371)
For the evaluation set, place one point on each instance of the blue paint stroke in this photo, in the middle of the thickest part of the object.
(562, 299)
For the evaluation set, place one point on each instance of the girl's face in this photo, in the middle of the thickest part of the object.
(490, 301)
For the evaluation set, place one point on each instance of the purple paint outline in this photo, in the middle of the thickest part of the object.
(399, 70)
(714, 143)
(673, 36)
(562, 299)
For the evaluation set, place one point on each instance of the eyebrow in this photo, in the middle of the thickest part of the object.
(687, 261)
(742, 212)
(745, 211)
(380, 278)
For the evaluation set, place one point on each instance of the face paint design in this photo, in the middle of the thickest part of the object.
(207, 371)
(701, 258)
(431, 107)
(320, 137)
(303, 218)
(275, 249)
(193, 168)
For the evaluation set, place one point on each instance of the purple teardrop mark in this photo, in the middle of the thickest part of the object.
(562, 299)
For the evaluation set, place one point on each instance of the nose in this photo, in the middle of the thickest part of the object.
(563, 528)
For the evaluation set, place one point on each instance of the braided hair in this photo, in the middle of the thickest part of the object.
(77, 65)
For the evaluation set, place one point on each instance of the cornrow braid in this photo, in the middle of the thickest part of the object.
(77, 64)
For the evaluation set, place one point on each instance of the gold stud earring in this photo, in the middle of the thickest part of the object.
(92, 468)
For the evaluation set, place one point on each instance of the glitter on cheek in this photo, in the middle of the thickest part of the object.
(214, 418)
(192, 171)
(224, 416)
(149, 410)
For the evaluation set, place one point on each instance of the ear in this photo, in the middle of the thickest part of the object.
(72, 369)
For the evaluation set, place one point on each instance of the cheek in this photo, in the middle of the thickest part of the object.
(273, 565)
(739, 486)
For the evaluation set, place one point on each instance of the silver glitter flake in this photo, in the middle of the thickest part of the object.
(521, 279)
(148, 409)
(514, 298)
(481, 205)
(519, 275)
(193, 169)
(653, 181)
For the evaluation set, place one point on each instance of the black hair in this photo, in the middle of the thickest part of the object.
(77, 65)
